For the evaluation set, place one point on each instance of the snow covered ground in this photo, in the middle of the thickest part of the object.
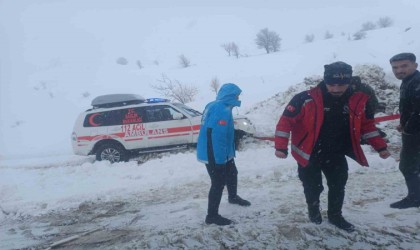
(58, 55)
(161, 204)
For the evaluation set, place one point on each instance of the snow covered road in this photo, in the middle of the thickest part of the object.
(161, 204)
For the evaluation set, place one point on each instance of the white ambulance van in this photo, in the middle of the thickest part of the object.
(121, 125)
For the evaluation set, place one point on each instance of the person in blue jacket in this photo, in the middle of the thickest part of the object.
(216, 149)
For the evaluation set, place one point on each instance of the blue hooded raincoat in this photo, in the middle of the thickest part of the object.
(216, 139)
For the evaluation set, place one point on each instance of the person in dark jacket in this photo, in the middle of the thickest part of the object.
(404, 67)
(216, 149)
(326, 123)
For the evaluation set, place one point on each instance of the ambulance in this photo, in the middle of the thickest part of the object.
(119, 126)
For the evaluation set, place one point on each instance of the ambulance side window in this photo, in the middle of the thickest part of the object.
(153, 114)
(107, 118)
(113, 117)
(132, 115)
(160, 113)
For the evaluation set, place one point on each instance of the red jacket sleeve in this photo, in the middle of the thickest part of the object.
(282, 134)
(371, 133)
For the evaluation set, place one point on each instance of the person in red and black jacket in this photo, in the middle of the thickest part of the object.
(327, 123)
(404, 67)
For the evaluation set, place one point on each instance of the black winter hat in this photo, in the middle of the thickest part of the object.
(337, 73)
(403, 56)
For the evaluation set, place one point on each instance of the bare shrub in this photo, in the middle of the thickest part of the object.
(309, 38)
(17, 123)
(184, 61)
(175, 90)
(368, 26)
(85, 94)
(138, 63)
(385, 22)
(328, 35)
(235, 50)
(228, 48)
(359, 35)
(215, 85)
(268, 40)
(122, 61)
(41, 86)
(231, 49)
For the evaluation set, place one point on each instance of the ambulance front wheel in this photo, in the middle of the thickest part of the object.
(111, 152)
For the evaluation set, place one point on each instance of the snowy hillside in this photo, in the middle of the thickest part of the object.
(62, 54)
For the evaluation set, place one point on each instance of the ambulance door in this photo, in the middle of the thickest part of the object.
(166, 126)
(133, 128)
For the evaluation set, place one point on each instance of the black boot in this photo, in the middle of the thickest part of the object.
(413, 197)
(232, 185)
(239, 201)
(339, 221)
(218, 220)
(407, 202)
(314, 213)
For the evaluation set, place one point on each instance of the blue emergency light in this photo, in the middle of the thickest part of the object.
(156, 100)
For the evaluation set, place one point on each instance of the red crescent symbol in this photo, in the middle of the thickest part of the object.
(91, 122)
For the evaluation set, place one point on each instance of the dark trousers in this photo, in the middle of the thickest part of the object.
(410, 164)
(335, 169)
(221, 175)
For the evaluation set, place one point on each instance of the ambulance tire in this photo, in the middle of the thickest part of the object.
(112, 152)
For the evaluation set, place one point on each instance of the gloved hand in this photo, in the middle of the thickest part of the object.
(281, 154)
(384, 154)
